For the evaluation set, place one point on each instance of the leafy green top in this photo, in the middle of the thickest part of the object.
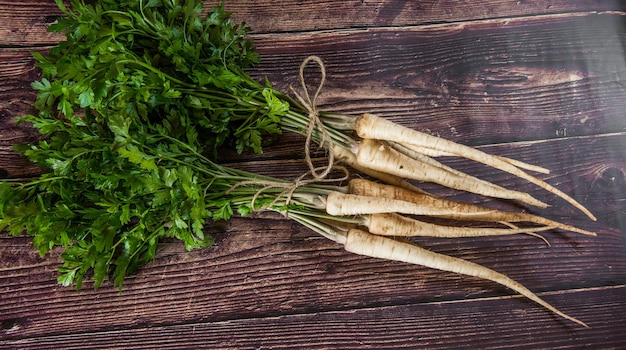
(149, 59)
(129, 105)
(114, 188)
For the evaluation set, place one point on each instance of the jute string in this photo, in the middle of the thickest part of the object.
(314, 119)
(319, 174)
(289, 188)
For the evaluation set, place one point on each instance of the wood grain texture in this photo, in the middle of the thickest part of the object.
(435, 325)
(24, 22)
(296, 15)
(258, 271)
(540, 81)
(490, 81)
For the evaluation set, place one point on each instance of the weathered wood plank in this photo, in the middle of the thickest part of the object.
(482, 82)
(493, 323)
(295, 15)
(24, 22)
(270, 266)
(16, 99)
(16, 96)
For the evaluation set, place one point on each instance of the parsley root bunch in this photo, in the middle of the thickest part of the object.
(137, 101)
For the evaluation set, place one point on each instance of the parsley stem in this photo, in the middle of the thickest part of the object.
(321, 228)
(157, 71)
(42, 180)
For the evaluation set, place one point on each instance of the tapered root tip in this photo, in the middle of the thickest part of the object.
(576, 320)
(528, 199)
(577, 230)
(591, 216)
(588, 233)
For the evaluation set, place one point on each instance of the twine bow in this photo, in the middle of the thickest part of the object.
(315, 123)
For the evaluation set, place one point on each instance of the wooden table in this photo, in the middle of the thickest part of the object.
(541, 81)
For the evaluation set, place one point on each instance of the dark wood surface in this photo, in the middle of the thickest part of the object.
(541, 81)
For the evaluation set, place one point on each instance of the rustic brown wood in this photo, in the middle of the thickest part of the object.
(538, 81)
(25, 21)
(295, 15)
(433, 325)
(527, 77)
(16, 99)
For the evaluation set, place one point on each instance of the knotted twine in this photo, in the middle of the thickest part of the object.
(314, 119)
(310, 104)
(289, 188)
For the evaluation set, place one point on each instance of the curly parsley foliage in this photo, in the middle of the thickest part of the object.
(105, 202)
(148, 59)
(114, 188)
(128, 105)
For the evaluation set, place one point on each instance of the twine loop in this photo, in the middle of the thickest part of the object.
(310, 104)
(318, 174)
